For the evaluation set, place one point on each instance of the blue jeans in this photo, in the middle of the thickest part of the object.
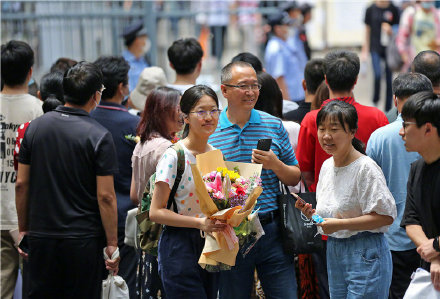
(275, 269)
(359, 266)
(375, 58)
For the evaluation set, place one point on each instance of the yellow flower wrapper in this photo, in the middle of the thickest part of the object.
(216, 250)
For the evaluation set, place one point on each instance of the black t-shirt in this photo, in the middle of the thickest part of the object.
(374, 17)
(298, 114)
(66, 149)
(423, 199)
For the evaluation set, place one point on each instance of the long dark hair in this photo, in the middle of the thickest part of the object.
(191, 97)
(346, 114)
(270, 99)
(51, 91)
(160, 105)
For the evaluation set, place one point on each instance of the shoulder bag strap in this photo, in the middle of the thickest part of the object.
(180, 169)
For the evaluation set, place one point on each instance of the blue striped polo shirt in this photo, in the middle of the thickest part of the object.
(236, 145)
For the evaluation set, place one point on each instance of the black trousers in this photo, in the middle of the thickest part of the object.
(404, 264)
(128, 264)
(65, 268)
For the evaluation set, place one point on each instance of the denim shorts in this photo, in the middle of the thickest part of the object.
(359, 266)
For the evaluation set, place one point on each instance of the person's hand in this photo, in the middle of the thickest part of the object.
(435, 273)
(209, 225)
(112, 265)
(21, 252)
(330, 225)
(405, 57)
(427, 251)
(387, 28)
(307, 210)
(267, 158)
(364, 55)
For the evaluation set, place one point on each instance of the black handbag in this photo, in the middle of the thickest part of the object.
(299, 234)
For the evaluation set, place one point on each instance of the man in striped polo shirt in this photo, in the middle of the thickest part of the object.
(239, 129)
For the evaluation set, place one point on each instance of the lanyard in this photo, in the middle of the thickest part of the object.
(112, 108)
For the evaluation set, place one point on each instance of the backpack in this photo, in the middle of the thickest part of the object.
(148, 231)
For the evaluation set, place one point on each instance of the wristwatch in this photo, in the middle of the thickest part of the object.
(435, 244)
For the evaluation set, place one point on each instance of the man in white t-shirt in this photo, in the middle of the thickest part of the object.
(185, 56)
(16, 107)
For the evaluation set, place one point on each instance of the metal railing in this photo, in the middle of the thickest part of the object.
(85, 30)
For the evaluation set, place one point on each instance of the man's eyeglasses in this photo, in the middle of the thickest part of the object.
(407, 123)
(102, 89)
(245, 86)
(203, 114)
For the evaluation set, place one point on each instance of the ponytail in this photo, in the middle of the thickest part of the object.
(358, 145)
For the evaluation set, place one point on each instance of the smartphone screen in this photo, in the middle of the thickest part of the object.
(24, 245)
(264, 144)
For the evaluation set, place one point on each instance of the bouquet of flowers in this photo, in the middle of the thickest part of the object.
(227, 191)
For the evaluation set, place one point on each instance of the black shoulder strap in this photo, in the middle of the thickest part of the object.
(180, 169)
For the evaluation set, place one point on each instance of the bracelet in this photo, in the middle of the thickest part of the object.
(435, 244)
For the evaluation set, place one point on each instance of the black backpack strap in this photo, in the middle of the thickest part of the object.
(180, 169)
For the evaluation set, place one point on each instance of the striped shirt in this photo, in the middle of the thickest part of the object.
(237, 143)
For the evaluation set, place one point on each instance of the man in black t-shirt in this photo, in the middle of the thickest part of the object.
(65, 198)
(421, 133)
(313, 77)
(379, 19)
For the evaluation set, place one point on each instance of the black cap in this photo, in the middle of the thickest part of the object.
(291, 5)
(305, 8)
(134, 30)
(281, 18)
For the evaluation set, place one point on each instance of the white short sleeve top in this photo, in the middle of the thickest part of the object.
(166, 171)
(352, 191)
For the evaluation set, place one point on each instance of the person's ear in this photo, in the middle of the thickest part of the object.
(395, 100)
(428, 128)
(39, 95)
(304, 85)
(224, 91)
(172, 66)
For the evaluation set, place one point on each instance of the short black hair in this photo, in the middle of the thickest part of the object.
(428, 64)
(314, 74)
(62, 64)
(184, 55)
(346, 115)
(16, 62)
(114, 71)
(424, 107)
(80, 82)
(341, 69)
(251, 59)
(407, 84)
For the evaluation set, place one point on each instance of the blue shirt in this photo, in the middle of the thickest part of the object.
(282, 59)
(236, 145)
(120, 123)
(387, 148)
(137, 65)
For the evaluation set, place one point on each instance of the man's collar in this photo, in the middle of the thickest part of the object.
(225, 123)
(71, 110)
(349, 100)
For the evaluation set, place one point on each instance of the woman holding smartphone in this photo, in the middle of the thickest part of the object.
(181, 243)
(354, 200)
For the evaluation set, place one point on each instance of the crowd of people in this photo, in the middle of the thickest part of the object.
(77, 159)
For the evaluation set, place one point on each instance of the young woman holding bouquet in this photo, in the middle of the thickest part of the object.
(354, 200)
(159, 123)
(181, 244)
